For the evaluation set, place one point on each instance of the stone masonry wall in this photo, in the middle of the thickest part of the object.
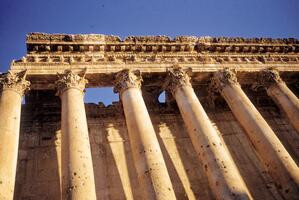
(38, 175)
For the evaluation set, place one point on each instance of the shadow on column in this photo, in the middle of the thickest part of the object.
(112, 160)
(276, 120)
(258, 181)
(185, 170)
(38, 166)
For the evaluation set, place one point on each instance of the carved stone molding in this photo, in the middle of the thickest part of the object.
(127, 79)
(41, 42)
(269, 77)
(177, 57)
(70, 80)
(176, 78)
(266, 78)
(222, 79)
(16, 82)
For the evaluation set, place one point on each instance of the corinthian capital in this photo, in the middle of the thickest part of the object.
(269, 77)
(16, 82)
(127, 79)
(266, 78)
(176, 78)
(222, 79)
(70, 80)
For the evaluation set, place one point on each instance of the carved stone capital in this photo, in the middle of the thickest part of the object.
(222, 79)
(266, 78)
(127, 79)
(15, 82)
(269, 77)
(70, 80)
(176, 78)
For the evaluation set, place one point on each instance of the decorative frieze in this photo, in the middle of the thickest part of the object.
(70, 80)
(127, 79)
(16, 82)
(157, 58)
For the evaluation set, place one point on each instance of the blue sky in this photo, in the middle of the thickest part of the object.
(245, 18)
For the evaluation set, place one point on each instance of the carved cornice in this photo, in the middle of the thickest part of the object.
(222, 79)
(127, 79)
(70, 80)
(15, 82)
(41, 42)
(68, 38)
(176, 78)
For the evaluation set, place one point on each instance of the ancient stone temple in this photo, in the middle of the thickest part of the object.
(228, 129)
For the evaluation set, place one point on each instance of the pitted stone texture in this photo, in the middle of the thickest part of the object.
(224, 177)
(110, 147)
(273, 154)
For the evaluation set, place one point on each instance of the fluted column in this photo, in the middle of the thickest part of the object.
(77, 169)
(223, 175)
(270, 150)
(281, 95)
(151, 169)
(13, 87)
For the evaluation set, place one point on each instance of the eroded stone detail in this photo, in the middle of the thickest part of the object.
(16, 82)
(266, 78)
(222, 79)
(176, 78)
(70, 80)
(127, 79)
(115, 174)
(269, 77)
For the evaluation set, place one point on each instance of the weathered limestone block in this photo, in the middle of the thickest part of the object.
(272, 153)
(13, 87)
(148, 158)
(116, 161)
(77, 168)
(222, 173)
(282, 95)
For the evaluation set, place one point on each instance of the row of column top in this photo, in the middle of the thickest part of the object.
(176, 77)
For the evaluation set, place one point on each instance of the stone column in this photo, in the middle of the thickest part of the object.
(223, 175)
(268, 147)
(77, 168)
(281, 95)
(150, 165)
(13, 88)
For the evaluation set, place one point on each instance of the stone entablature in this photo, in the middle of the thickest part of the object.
(40, 42)
(185, 71)
(49, 54)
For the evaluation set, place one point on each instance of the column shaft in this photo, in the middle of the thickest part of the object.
(270, 150)
(149, 162)
(287, 101)
(10, 113)
(77, 168)
(223, 175)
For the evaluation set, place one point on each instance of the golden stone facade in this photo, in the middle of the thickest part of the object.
(228, 129)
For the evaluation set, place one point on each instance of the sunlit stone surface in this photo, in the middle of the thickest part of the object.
(241, 95)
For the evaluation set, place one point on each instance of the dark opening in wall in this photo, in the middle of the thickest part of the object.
(162, 97)
(104, 94)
